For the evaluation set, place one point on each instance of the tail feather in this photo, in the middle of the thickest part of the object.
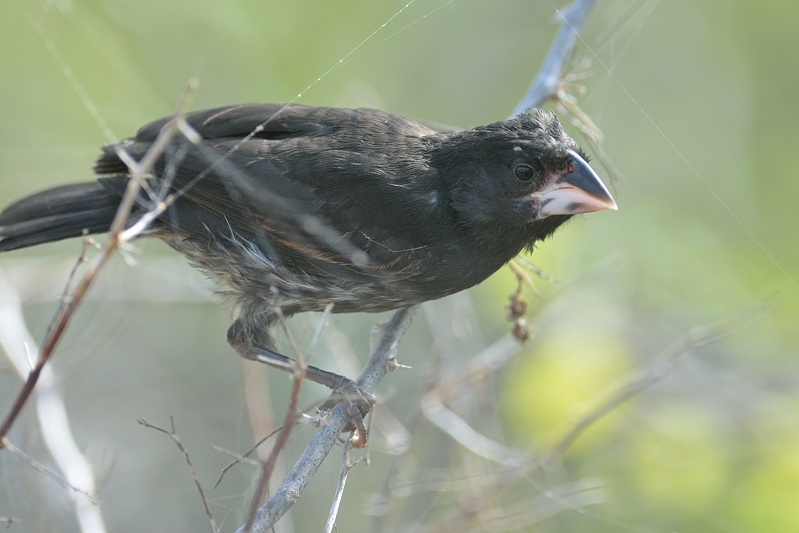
(56, 214)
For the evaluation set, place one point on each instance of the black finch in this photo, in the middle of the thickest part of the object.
(289, 208)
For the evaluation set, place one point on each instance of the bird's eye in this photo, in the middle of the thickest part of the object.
(524, 171)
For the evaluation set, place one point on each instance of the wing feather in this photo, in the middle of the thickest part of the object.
(301, 182)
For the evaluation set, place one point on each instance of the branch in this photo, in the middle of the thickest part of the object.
(545, 85)
(326, 436)
(172, 433)
(115, 240)
(474, 441)
(298, 375)
(51, 415)
(346, 466)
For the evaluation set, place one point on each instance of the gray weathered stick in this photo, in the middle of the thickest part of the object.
(289, 490)
(545, 84)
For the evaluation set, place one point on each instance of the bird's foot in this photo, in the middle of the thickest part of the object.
(359, 402)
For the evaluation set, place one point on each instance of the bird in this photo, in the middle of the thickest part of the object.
(290, 208)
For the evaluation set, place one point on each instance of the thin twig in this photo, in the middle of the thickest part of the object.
(138, 170)
(517, 269)
(51, 414)
(44, 470)
(474, 441)
(73, 273)
(111, 244)
(237, 458)
(521, 261)
(479, 367)
(282, 438)
(258, 405)
(346, 466)
(300, 367)
(176, 439)
(241, 458)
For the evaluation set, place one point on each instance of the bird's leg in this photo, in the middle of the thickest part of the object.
(343, 388)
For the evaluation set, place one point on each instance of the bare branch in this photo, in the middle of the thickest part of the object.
(44, 470)
(346, 466)
(524, 279)
(51, 415)
(469, 438)
(242, 458)
(471, 374)
(479, 367)
(112, 243)
(545, 85)
(176, 439)
(300, 367)
(326, 436)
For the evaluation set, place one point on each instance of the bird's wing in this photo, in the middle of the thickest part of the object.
(308, 185)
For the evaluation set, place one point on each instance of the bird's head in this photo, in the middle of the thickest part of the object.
(523, 175)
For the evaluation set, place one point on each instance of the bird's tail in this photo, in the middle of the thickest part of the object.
(59, 213)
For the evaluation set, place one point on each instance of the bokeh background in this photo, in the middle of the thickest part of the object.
(696, 101)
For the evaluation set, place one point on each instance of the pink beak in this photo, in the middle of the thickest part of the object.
(579, 191)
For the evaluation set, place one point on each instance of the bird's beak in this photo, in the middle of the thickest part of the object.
(579, 191)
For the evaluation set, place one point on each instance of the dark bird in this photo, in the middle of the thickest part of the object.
(289, 208)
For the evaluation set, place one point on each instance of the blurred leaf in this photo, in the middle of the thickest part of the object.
(680, 461)
(559, 380)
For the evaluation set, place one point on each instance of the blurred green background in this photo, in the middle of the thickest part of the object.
(696, 101)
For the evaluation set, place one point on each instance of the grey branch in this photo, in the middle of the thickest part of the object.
(346, 466)
(378, 365)
(545, 84)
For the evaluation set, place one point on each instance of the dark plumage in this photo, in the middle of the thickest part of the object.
(295, 207)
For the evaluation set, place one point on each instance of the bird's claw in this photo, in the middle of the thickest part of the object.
(359, 403)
